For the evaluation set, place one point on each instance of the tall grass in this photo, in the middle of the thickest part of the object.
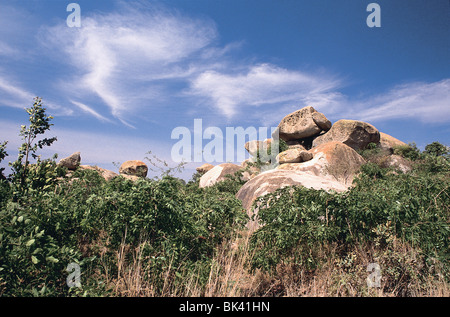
(339, 275)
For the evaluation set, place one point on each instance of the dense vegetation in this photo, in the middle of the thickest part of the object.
(163, 237)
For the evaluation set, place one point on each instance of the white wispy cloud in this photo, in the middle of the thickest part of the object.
(13, 95)
(90, 111)
(131, 62)
(426, 102)
(117, 56)
(262, 84)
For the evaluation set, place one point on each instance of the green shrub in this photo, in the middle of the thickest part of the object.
(437, 149)
(409, 151)
(297, 221)
(179, 225)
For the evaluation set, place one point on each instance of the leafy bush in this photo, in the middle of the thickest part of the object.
(298, 221)
(437, 149)
(49, 221)
(409, 151)
(41, 235)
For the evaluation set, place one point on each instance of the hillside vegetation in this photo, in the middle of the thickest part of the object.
(165, 237)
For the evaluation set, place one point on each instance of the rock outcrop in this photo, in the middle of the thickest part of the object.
(356, 134)
(321, 155)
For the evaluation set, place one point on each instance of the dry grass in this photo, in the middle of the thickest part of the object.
(338, 276)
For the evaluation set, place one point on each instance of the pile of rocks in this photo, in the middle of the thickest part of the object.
(321, 155)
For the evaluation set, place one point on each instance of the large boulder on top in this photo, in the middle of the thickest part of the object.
(272, 180)
(303, 123)
(134, 168)
(356, 134)
(71, 162)
(218, 173)
(334, 159)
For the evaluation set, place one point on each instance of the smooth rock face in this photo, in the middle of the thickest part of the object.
(71, 162)
(270, 181)
(300, 124)
(218, 173)
(334, 159)
(356, 134)
(204, 168)
(134, 168)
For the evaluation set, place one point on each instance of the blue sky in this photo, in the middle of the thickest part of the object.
(135, 70)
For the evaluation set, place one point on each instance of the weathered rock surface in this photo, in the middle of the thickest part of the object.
(398, 162)
(204, 168)
(218, 173)
(71, 162)
(270, 181)
(294, 156)
(333, 159)
(301, 124)
(134, 168)
(356, 134)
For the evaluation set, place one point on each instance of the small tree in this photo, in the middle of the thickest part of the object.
(437, 149)
(39, 124)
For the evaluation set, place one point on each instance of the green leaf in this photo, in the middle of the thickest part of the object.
(34, 259)
(30, 242)
(51, 259)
